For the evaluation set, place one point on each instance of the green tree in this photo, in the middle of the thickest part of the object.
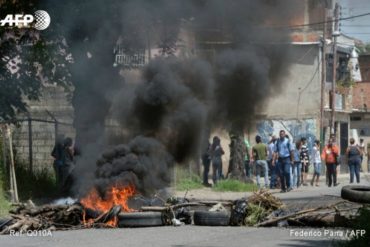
(363, 49)
(28, 61)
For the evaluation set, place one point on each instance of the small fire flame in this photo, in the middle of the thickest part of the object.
(115, 196)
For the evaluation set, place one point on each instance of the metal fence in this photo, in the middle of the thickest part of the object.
(29, 123)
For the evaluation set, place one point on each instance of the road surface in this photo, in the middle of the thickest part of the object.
(200, 236)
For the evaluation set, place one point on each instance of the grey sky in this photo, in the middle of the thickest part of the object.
(358, 27)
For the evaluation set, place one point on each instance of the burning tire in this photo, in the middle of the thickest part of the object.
(140, 219)
(208, 218)
(356, 193)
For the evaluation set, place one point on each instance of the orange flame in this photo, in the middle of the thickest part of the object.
(115, 196)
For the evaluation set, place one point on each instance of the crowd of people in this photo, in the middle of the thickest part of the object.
(285, 164)
(282, 163)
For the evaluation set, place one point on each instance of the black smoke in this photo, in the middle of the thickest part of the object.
(170, 103)
(235, 62)
(143, 162)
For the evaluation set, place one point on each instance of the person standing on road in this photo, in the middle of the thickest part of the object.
(58, 154)
(247, 162)
(260, 157)
(216, 156)
(296, 166)
(273, 168)
(363, 152)
(284, 157)
(337, 164)
(68, 166)
(368, 157)
(330, 155)
(206, 160)
(354, 160)
(316, 160)
(305, 161)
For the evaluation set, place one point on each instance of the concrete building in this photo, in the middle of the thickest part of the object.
(360, 116)
(297, 108)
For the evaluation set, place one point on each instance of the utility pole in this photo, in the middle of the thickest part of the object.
(323, 78)
(335, 35)
(13, 180)
(3, 133)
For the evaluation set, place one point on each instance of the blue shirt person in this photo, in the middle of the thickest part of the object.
(284, 158)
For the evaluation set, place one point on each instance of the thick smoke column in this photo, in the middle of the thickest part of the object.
(169, 111)
(170, 103)
(142, 163)
(170, 107)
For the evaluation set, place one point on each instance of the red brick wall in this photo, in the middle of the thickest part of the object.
(364, 61)
(361, 95)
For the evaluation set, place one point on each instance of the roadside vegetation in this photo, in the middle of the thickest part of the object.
(234, 186)
(36, 185)
(39, 185)
(4, 203)
(186, 180)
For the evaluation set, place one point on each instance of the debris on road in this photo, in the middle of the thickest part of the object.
(337, 214)
(262, 209)
(266, 200)
(49, 217)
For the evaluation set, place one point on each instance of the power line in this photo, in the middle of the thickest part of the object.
(355, 25)
(355, 33)
(356, 7)
(304, 55)
(301, 91)
(322, 22)
(312, 78)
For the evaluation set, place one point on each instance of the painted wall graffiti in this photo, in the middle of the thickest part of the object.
(295, 129)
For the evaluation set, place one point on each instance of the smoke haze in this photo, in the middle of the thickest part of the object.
(168, 112)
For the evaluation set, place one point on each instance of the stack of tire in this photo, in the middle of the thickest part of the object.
(140, 219)
(150, 219)
(211, 218)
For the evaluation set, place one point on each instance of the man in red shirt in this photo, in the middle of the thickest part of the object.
(330, 155)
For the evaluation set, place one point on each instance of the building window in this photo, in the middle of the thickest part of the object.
(365, 132)
(130, 59)
(356, 118)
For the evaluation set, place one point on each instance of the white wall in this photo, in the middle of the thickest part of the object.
(299, 97)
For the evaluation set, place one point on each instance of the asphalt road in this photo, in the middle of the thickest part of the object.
(303, 197)
(199, 236)
(185, 236)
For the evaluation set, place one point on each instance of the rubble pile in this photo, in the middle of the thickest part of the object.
(262, 209)
(27, 217)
